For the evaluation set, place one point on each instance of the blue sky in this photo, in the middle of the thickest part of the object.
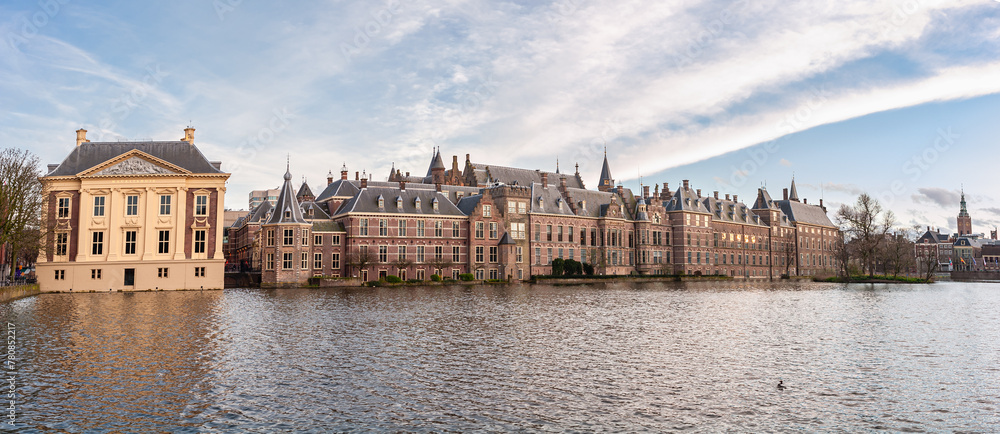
(897, 98)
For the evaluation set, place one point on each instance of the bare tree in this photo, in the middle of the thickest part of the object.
(359, 259)
(788, 252)
(897, 253)
(21, 202)
(867, 225)
(842, 254)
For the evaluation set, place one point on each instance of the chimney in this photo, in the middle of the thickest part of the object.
(357, 175)
(329, 178)
(645, 191)
(454, 164)
(81, 136)
(562, 184)
(343, 172)
(665, 193)
(736, 198)
(821, 204)
(437, 187)
(698, 192)
(685, 184)
(784, 193)
(364, 182)
(805, 201)
(621, 190)
(715, 194)
(545, 180)
(188, 135)
(402, 185)
(727, 196)
(407, 174)
(467, 158)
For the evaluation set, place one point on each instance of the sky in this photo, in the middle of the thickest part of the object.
(899, 99)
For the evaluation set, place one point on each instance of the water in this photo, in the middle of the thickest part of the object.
(648, 357)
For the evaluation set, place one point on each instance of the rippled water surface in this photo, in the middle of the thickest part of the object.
(652, 357)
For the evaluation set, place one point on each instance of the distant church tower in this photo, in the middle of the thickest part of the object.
(964, 220)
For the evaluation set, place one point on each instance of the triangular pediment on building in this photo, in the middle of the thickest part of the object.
(134, 163)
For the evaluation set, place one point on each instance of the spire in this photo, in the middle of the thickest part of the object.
(793, 194)
(606, 182)
(436, 162)
(557, 164)
(964, 212)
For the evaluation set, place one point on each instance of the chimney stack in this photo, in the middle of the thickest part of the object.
(343, 172)
(329, 178)
(727, 196)
(698, 192)
(407, 174)
(188, 135)
(821, 204)
(454, 164)
(364, 182)
(645, 191)
(357, 175)
(736, 198)
(545, 180)
(686, 185)
(562, 184)
(402, 185)
(805, 201)
(715, 194)
(81, 136)
(437, 187)
(621, 190)
(467, 158)
(784, 193)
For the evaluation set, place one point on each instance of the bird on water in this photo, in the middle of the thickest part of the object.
(781, 385)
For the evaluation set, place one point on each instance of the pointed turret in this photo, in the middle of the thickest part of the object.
(606, 183)
(305, 193)
(286, 209)
(793, 194)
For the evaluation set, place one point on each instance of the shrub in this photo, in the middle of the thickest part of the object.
(467, 277)
(435, 278)
(588, 269)
(573, 267)
(393, 279)
(558, 266)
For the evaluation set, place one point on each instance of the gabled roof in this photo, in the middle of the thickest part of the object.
(597, 201)
(366, 201)
(763, 200)
(286, 208)
(933, 237)
(89, 154)
(803, 213)
(304, 190)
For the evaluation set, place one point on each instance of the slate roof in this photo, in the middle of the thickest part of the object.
(90, 154)
(286, 203)
(505, 240)
(468, 204)
(685, 199)
(802, 213)
(317, 211)
(763, 200)
(597, 201)
(730, 211)
(339, 188)
(485, 173)
(259, 214)
(548, 200)
(366, 201)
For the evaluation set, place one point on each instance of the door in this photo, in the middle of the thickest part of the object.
(130, 277)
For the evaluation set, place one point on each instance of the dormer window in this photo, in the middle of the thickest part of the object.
(540, 201)
(434, 204)
(399, 202)
(416, 203)
(288, 214)
(687, 201)
(381, 201)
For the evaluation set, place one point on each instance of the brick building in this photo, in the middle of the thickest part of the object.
(498, 222)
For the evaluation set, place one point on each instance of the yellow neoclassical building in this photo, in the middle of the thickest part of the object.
(133, 216)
